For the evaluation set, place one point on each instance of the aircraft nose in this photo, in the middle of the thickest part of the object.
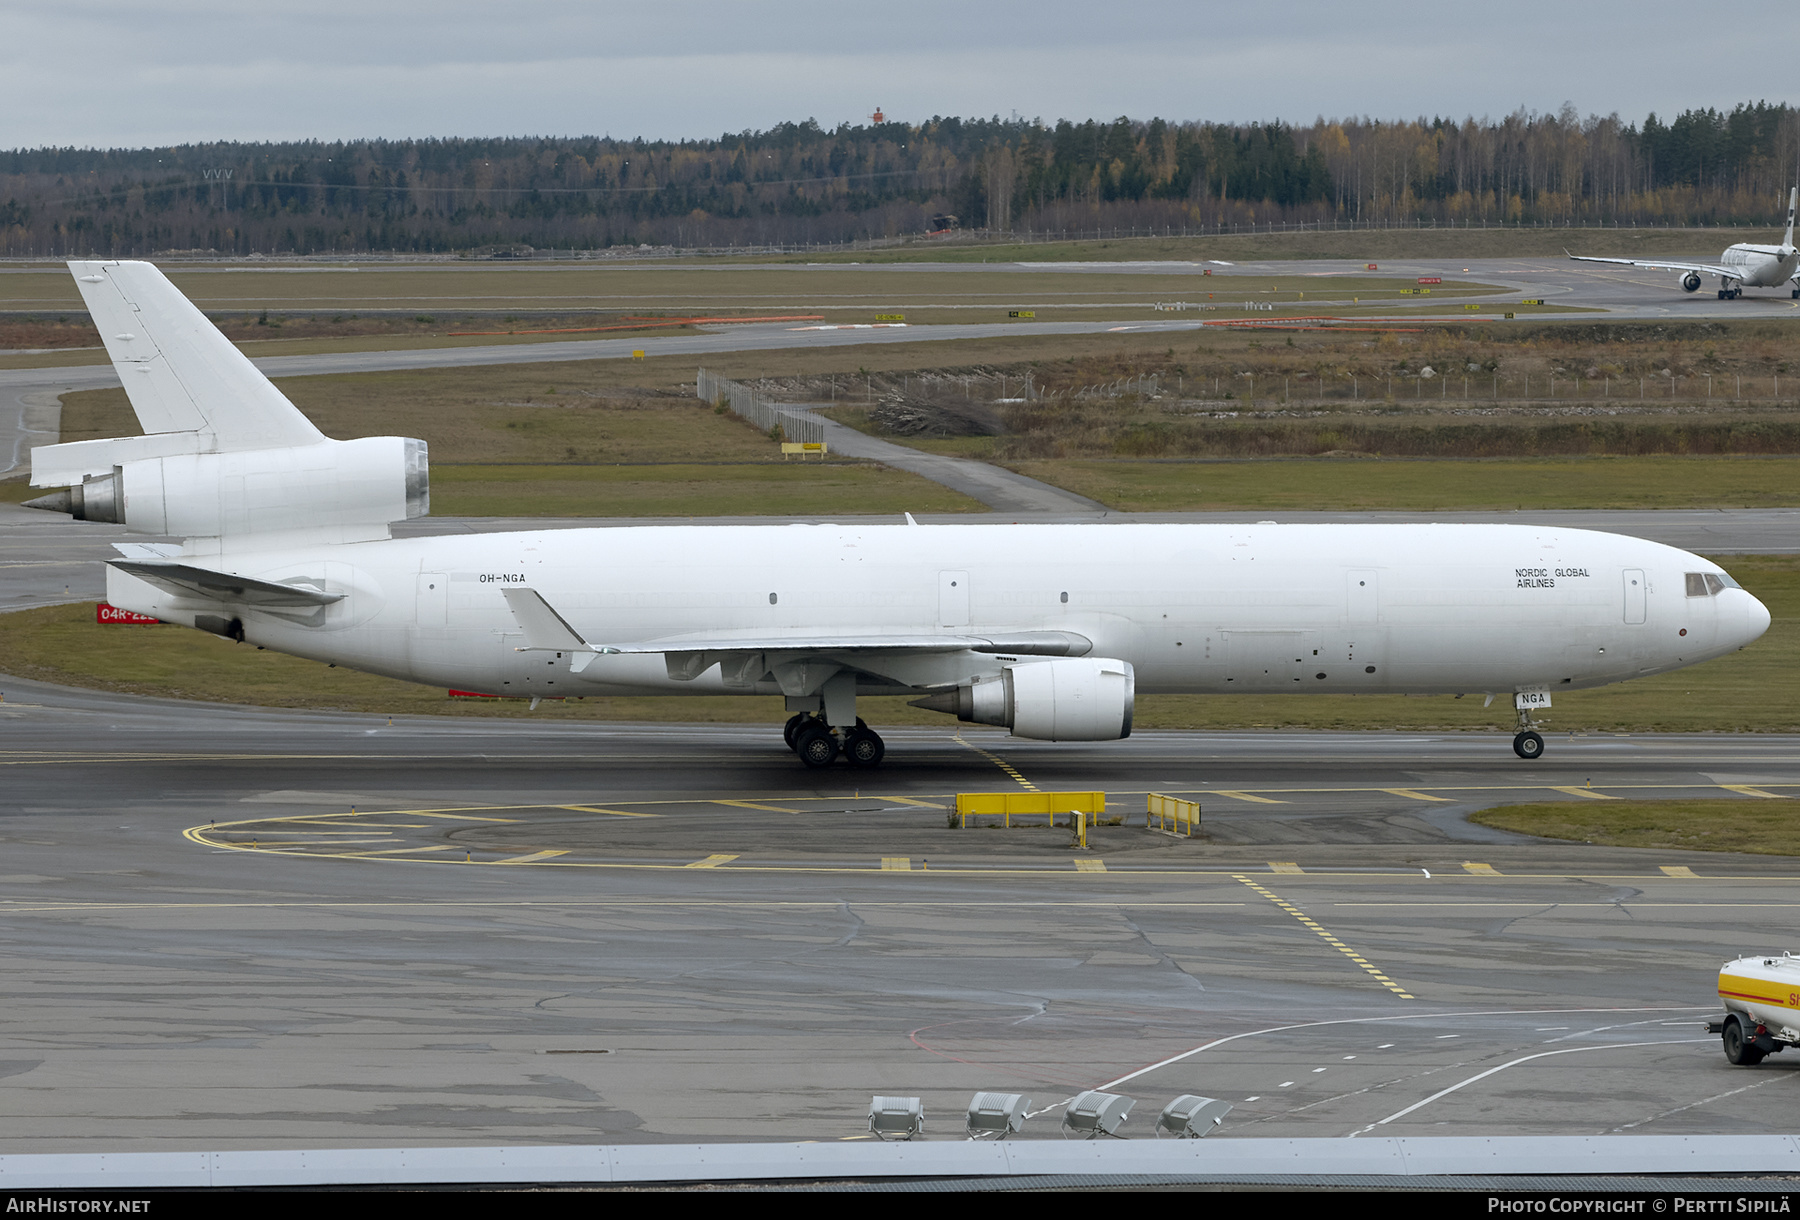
(1756, 617)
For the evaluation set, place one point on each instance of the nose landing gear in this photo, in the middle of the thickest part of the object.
(1528, 743)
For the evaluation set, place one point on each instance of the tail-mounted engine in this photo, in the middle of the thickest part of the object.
(332, 490)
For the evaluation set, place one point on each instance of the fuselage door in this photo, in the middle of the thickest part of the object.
(1364, 597)
(953, 599)
(434, 599)
(1634, 595)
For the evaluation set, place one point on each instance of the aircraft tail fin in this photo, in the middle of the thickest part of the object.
(224, 455)
(180, 373)
(1793, 197)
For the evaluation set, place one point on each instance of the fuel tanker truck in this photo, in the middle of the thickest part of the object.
(1762, 1007)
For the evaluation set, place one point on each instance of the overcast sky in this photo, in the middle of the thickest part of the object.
(123, 73)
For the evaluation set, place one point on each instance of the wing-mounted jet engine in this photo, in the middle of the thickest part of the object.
(1075, 699)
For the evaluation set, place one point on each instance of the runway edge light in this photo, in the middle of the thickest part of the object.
(1093, 1113)
(896, 1118)
(1189, 1117)
(996, 1115)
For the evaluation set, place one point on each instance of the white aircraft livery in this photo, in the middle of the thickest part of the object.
(1744, 265)
(1049, 630)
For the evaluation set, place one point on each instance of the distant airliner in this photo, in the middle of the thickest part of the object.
(1741, 266)
(1049, 630)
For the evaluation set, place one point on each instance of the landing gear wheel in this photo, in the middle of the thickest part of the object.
(1528, 745)
(790, 733)
(863, 747)
(1738, 1049)
(816, 746)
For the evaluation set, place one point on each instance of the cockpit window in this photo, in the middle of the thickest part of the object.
(1696, 584)
(1713, 585)
(1708, 584)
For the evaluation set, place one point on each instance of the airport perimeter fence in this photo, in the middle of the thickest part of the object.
(744, 402)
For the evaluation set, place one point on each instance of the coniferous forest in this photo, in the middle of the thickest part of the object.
(798, 183)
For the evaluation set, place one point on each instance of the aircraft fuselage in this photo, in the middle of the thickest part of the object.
(1193, 608)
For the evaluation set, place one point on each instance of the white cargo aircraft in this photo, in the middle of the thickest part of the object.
(1744, 265)
(1049, 630)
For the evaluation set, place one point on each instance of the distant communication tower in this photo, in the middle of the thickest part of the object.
(878, 117)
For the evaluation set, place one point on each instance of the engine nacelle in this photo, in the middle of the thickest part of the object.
(1073, 699)
(334, 490)
(1690, 281)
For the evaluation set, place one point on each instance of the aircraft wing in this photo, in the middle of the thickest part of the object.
(1713, 269)
(186, 580)
(689, 656)
(546, 630)
(1023, 643)
(742, 659)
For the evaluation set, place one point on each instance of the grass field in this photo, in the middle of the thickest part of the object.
(1363, 245)
(1765, 827)
(588, 440)
(1748, 691)
(774, 489)
(1352, 484)
(707, 287)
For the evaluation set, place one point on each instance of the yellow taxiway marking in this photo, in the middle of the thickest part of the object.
(1678, 870)
(400, 851)
(1090, 866)
(712, 861)
(1480, 870)
(617, 813)
(533, 858)
(1312, 924)
(1245, 796)
(271, 844)
(907, 800)
(1002, 764)
(1748, 790)
(458, 817)
(754, 805)
(1577, 790)
(1284, 866)
(1414, 795)
(896, 864)
(336, 819)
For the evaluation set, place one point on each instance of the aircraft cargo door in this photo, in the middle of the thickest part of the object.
(1634, 595)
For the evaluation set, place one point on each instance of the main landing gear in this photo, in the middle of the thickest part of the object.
(818, 744)
(1528, 743)
(1730, 294)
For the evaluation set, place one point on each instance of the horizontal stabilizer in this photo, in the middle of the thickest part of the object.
(180, 373)
(186, 580)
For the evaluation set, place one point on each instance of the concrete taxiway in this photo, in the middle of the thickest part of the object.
(544, 933)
